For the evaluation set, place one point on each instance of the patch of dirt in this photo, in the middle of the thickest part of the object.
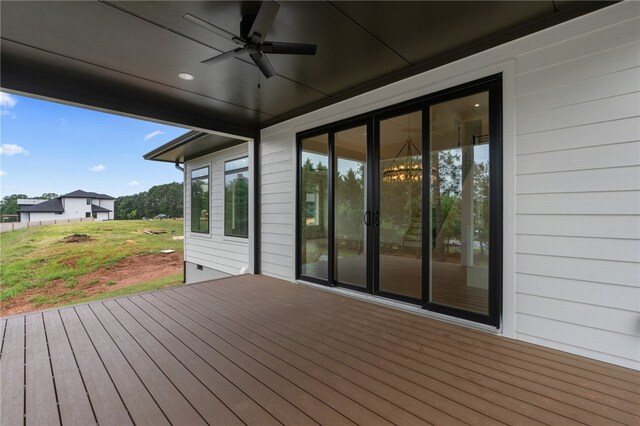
(77, 238)
(129, 271)
(71, 262)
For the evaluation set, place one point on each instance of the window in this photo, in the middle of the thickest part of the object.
(236, 197)
(87, 214)
(88, 201)
(200, 200)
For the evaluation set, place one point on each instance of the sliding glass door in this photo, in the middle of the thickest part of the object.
(313, 220)
(460, 210)
(350, 206)
(399, 216)
(405, 203)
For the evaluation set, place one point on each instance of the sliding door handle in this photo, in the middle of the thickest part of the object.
(376, 220)
(367, 218)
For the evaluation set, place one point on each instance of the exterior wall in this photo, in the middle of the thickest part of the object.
(43, 216)
(75, 208)
(107, 204)
(571, 149)
(103, 216)
(194, 275)
(229, 255)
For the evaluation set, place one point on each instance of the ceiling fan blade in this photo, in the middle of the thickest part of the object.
(263, 64)
(212, 28)
(264, 19)
(223, 56)
(277, 47)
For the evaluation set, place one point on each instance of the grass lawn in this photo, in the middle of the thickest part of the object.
(38, 268)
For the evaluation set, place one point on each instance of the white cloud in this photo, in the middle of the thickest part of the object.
(97, 168)
(134, 183)
(7, 102)
(153, 135)
(3, 173)
(10, 149)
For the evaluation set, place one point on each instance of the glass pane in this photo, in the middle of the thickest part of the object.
(240, 163)
(236, 204)
(350, 206)
(200, 200)
(459, 162)
(314, 214)
(198, 173)
(401, 205)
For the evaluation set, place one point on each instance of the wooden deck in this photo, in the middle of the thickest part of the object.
(255, 350)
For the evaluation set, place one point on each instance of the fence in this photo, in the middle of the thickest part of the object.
(12, 226)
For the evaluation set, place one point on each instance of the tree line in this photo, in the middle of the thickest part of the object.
(160, 199)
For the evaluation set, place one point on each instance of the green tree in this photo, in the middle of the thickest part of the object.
(9, 204)
(49, 195)
(166, 199)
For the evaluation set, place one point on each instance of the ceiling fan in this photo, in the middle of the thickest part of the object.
(253, 31)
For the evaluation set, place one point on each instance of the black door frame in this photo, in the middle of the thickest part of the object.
(492, 85)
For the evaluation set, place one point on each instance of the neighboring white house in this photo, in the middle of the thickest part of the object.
(74, 205)
(534, 145)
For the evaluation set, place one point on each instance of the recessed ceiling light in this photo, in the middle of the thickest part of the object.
(476, 105)
(185, 76)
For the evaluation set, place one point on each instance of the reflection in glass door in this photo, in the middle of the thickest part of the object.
(400, 213)
(350, 206)
(314, 207)
(459, 162)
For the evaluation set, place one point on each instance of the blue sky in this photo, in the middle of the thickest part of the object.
(52, 147)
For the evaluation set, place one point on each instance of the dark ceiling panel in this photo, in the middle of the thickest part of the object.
(147, 51)
(342, 46)
(125, 56)
(433, 29)
(27, 70)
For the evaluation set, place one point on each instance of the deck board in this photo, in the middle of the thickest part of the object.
(139, 402)
(258, 351)
(239, 346)
(167, 394)
(75, 407)
(562, 391)
(107, 404)
(234, 363)
(217, 412)
(478, 364)
(423, 396)
(40, 395)
(332, 380)
(12, 373)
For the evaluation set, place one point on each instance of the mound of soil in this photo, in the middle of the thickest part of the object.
(77, 238)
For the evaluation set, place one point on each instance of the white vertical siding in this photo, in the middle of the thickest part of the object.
(578, 194)
(216, 251)
(572, 180)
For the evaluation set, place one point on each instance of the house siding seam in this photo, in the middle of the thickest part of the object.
(572, 202)
(215, 251)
